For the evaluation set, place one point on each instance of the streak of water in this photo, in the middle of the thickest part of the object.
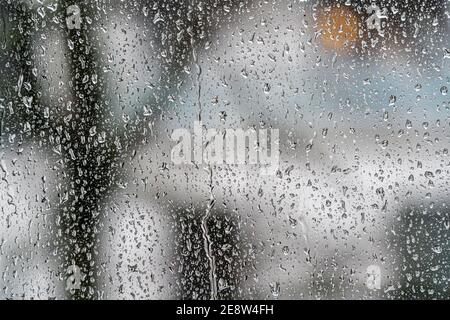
(207, 239)
(1, 127)
(204, 225)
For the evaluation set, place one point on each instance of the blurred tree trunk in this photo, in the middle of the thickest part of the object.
(88, 155)
(22, 114)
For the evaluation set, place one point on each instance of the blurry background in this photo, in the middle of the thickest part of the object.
(91, 206)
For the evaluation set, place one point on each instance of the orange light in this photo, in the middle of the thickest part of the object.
(339, 27)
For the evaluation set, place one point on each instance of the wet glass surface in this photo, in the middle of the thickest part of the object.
(224, 149)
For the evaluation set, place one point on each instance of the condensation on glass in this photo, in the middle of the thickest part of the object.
(224, 149)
